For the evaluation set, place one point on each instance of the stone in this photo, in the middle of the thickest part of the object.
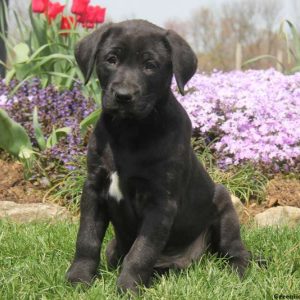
(24, 213)
(238, 205)
(279, 216)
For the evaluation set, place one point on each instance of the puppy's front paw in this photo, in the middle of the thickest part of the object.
(127, 283)
(81, 272)
(240, 264)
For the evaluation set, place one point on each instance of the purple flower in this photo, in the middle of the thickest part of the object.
(251, 116)
(56, 109)
(254, 114)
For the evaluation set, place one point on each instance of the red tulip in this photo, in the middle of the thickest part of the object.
(79, 7)
(93, 14)
(39, 6)
(54, 8)
(88, 25)
(67, 23)
(100, 14)
(84, 21)
(80, 19)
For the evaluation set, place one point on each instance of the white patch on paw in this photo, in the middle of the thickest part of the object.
(114, 188)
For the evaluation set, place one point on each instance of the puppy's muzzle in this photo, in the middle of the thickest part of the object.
(124, 95)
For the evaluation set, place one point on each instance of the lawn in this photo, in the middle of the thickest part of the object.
(34, 258)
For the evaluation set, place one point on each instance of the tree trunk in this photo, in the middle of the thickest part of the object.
(238, 56)
(3, 30)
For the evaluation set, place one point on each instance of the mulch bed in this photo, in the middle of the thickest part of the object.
(13, 187)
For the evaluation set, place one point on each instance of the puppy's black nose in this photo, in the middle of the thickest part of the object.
(123, 96)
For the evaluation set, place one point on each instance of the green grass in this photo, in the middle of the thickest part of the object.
(67, 191)
(245, 181)
(34, 258)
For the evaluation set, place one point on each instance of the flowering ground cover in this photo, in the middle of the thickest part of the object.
(251, 116)
(56, 109)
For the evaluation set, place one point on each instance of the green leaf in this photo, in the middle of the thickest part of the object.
(22, 70)
(38, 130)
(38, 51)
(63, 75)
(52, 139)
(3, 64)
(9, 75)
(292, 45)
(296, 38)
(56, 135)
(39, 26)
(265, 56)
(91, 119)
(25, 153)
(20, 25)
(50, 59)
(295, 69)
(71, 76)
(7, 42)
(64, 130)
(13, 138)
(22, 53)
(20, 83)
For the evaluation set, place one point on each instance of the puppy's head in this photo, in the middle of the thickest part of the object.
(135, 61)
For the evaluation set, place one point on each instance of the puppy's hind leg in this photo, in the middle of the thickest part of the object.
(226, 238)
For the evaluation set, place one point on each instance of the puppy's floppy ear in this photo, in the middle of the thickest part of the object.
(184, 59)
(86, 50)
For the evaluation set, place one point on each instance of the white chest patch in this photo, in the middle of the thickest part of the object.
(114, 188)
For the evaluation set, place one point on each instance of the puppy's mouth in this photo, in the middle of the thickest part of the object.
(138, 109)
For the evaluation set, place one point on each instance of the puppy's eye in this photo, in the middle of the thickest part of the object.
(150, 65)
(113, 60)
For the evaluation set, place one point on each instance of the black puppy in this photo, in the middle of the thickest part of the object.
(143, 175)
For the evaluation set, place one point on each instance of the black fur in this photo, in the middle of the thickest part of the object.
(171, 210)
